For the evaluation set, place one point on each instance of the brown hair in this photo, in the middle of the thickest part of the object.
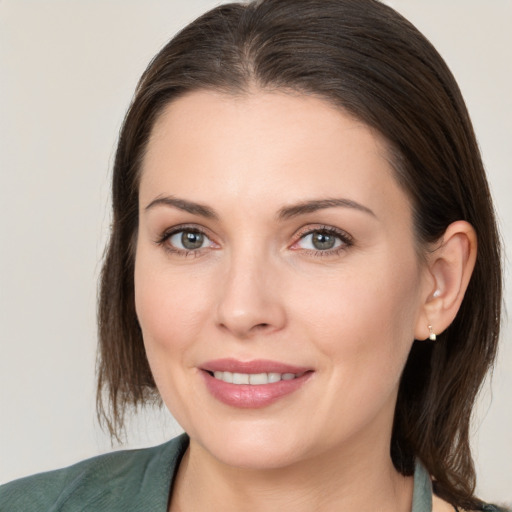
(363, 57)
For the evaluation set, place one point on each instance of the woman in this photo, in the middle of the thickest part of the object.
(304, 265)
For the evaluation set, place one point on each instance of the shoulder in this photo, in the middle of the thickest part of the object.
(101, 483)
(440, 505)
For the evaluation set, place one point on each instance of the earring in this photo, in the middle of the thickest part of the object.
(437, 293)
(432, 336)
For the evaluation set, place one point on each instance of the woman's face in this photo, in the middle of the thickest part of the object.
(275, 249)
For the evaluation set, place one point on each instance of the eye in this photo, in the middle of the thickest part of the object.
(327, 240)
(185, 241)
(320, 241)
(188, 240)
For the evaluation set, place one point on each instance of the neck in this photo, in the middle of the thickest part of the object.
(358, 478)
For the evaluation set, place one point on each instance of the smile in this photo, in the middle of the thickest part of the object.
(252, 384)
(254, 379)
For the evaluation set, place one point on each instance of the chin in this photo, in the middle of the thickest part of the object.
(251, 450)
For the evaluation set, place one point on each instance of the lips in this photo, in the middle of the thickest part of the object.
(252, 384)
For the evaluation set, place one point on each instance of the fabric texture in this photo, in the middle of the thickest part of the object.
(131, 480)
(422, 494)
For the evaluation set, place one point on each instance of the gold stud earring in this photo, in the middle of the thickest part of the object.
(432, 336)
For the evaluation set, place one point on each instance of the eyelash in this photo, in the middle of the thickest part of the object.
(346, 240)
(181, 252)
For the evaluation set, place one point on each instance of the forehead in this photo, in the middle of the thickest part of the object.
(273, 146)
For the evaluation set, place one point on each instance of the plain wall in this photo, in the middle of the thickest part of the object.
(67, 72)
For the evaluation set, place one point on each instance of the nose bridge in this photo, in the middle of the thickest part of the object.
(249, 299)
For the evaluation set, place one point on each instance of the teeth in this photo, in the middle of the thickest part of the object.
(240, 378)
(225, 376)
(258, 378)
(253, 378)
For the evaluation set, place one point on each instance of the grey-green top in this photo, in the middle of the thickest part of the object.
(130, 480)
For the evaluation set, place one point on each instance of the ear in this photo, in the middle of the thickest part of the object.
(449, 269)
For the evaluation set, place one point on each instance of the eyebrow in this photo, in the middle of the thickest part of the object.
(183, 204)
(314, 205)
(284, 213)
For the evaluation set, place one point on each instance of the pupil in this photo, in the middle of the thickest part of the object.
(323, 241)
(192, 240)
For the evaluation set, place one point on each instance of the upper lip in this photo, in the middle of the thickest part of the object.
(254, 366)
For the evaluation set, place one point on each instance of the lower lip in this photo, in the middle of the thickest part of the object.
(247, 396)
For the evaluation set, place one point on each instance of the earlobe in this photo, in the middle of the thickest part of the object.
(450, 266)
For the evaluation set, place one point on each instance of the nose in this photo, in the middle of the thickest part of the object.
(250, 300)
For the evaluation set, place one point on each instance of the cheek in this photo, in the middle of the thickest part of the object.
(366, 316)
(171, 309)
(364, 328)
(170, 305)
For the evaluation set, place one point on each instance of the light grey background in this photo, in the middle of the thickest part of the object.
(67, 72)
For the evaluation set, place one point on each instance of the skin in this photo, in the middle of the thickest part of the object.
(258, 289)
